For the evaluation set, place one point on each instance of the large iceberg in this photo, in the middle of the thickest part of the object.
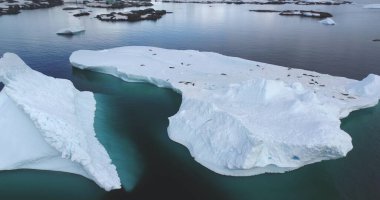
(240, 117)
(47, 124)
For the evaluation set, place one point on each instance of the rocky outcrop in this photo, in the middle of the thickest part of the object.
(13, 7)
(306, 13)
(80, 14)
(301, 13)
(119, 4)
(270, 2)
(72, 8)
(133, 16)
(11, 10)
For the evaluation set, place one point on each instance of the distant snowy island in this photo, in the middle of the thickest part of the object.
(47, 124)
(240, 117)
(265, 2)
(11, 7)
(372, 6)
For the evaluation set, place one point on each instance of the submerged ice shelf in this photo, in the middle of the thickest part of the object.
(47, 124)
(240, 117)
(71, 30)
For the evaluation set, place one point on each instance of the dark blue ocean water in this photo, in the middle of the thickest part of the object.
(131, 118)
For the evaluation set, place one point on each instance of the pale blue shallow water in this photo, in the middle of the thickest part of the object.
(131, 118)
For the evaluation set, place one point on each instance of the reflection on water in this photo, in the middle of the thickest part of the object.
(39, 185)
(110, 129)
(346, 49)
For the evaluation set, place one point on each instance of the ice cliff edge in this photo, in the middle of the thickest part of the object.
(47, 124)
(241, 117)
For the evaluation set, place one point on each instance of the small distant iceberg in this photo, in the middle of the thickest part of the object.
(372, 6)
(71, 30)
(74, 26)
(240, 117)
(47, 124)
(327, 21)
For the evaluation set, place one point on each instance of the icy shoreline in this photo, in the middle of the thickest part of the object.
(47, 124)
(240, 117)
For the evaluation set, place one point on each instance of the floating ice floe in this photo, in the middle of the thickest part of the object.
(47, 124)
(71, 30)
(327, 21)
(240, 117)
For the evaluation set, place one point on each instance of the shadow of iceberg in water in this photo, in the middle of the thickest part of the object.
(111, 126)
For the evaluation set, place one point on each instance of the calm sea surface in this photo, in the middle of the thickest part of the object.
(131, 118)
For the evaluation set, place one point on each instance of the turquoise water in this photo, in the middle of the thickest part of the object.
(131, 118)
(131, 121)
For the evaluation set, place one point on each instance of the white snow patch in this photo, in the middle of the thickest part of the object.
(48, 124)
(240, 117)
(120, 17)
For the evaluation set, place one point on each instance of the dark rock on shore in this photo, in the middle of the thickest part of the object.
(120, 4)
(72, 8)
(82, 14)
(323, 3)
(27, 5)
(133, 16)
(301, 13)
(11, 10)
(305, 13)
(269, 2)
(37, 4)
(265, 11)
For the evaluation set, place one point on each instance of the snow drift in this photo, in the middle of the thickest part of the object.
(47, 124)
(240, 117)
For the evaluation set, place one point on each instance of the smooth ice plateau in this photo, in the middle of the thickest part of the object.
(47, 124)
(240, 117)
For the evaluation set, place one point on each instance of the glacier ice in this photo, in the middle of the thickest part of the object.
(47, 124)
(240, 117)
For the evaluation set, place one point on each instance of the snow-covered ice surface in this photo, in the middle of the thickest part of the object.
(327, 21)
(372, 6)
(71, 30)
(47, 124)
(240, 117)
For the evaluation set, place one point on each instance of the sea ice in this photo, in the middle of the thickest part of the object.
(240, 117)
(47, 124)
